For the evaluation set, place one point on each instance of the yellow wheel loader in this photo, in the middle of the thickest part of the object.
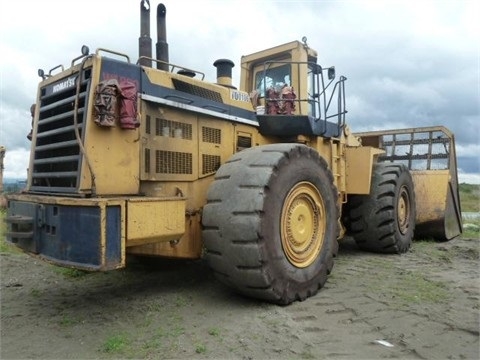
(263, 180)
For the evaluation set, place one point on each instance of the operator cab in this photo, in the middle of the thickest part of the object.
(292, 94)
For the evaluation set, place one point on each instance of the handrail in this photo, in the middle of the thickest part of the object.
(97, 52)
(173, 66)
(54, 68)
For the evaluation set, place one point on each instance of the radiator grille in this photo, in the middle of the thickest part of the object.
(243, 143)
(210, 163)
(171, 162)
(147, 124)
(170, 128)
(197, 90)
(57, 158)
(147, 160)
(211, 135)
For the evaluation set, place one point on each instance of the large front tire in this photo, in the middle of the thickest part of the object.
(384, 220)
(270, 222)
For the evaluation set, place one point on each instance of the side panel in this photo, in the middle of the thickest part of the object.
(153, 220)
(188, 246)
(359, 164)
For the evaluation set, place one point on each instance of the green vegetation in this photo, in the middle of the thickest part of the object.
(115, 344)
(69, 273)
(427, 249)
(35, 292)
(470, 202)
(306, 354)
(200, 348)
(411, 288)
(470, 197)
(471, 229)
(214, 332)
(67, 320)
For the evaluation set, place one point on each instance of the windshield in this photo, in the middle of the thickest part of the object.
(276, 77)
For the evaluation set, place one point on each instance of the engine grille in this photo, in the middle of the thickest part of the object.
(172, 162)
(57, 158)
(210, 163)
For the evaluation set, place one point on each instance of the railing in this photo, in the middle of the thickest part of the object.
(422, 148)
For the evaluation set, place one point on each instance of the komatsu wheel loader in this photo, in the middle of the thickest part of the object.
(263, 180)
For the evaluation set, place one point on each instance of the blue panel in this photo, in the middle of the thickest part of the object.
(114, 245)
(71, 234)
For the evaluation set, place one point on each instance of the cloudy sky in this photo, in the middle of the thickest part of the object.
(408, 63)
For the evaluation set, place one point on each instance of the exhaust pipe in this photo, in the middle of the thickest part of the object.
(224, 72)
(145, 41)
(162, 46)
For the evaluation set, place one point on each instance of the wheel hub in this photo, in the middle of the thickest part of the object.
(403, 211)
(303, 224)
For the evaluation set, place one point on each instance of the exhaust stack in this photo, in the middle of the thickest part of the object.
(224, 72)
(145, 41)
(162, 46)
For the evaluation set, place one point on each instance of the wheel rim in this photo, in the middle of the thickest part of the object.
(403, 210)
(303, 224)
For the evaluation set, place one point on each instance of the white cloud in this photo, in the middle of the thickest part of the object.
(470, 150)
(468, 178)
(16, 163)
(409, 63)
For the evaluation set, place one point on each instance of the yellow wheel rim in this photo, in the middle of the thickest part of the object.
(403, 210)
(303, 224)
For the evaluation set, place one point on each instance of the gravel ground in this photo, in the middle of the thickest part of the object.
(421, 305)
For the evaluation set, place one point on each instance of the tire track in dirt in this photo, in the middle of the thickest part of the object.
(418, 325)
(425, 303)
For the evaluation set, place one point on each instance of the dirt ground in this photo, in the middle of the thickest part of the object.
(421, 305)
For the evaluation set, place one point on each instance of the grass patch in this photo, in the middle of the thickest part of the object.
(115, 344)
(69, 272)
(428, 249)
(306, 354)
(214, 332)
(471, 228)
(182, 301)
(173, 331)
(470, 197)
(200, 348)
(67, 320)
(412, 288)
(415, 288)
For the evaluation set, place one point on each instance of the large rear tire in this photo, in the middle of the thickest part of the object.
(384, 221)
(270, 222)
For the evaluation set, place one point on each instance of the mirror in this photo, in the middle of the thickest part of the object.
(331, 73)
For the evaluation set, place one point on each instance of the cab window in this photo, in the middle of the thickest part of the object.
(275, 77)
